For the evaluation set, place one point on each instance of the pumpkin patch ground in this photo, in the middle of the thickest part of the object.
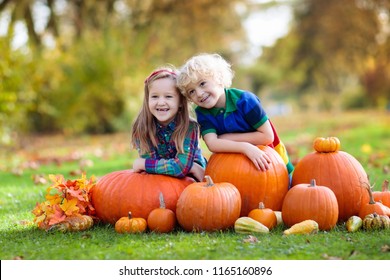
(25, 182)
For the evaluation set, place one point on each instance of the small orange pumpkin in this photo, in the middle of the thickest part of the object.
(372, 206)
(326, 145)
(266, 216)
(130, 225)
(205, 206)
(161, 219)
(384, 195)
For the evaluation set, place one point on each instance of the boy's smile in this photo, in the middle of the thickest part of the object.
(205, 98)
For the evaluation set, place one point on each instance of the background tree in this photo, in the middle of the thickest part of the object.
(335, 48)
(87, 59)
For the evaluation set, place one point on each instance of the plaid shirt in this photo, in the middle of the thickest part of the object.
(164, 159)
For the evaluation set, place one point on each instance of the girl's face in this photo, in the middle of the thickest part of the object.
(207, 93)
(164, 100)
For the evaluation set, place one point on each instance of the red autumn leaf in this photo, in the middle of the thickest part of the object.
(78, 194)
(57, 217)
(70, 183)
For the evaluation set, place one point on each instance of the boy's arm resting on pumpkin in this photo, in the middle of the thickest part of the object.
(262, 136)
(217, 145)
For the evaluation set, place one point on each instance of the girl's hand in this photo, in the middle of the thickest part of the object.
(139, 165)
(197, 171)
(259, 158)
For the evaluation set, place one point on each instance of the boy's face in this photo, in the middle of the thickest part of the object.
(207, 93)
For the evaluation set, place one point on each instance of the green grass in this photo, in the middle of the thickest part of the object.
(102, 243)
(20, 239)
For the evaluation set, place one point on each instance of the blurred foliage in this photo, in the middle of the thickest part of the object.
(83, 66)
(84, 72)
(82, 89)
(15, 92)
(336, 52)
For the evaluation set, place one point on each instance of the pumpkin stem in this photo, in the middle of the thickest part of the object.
(209, 181)
(385, 186)
(368, 187)
(162, 202)
(261, 205)
(312, 183)
(129, 215)
(372, 201)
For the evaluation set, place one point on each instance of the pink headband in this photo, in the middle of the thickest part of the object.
(158, 72)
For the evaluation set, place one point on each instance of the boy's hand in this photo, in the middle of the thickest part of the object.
(219, 145)
(259, 158)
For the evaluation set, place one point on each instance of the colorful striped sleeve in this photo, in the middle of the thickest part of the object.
(280, 148)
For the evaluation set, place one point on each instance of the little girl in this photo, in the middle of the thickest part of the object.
(166, 137)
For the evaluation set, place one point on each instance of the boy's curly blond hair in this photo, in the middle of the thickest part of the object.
(204, 66)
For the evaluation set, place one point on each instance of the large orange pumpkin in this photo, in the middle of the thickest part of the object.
(310, 202)
(340, 172)
(205, 206)
(119, 192)
(269, 186)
